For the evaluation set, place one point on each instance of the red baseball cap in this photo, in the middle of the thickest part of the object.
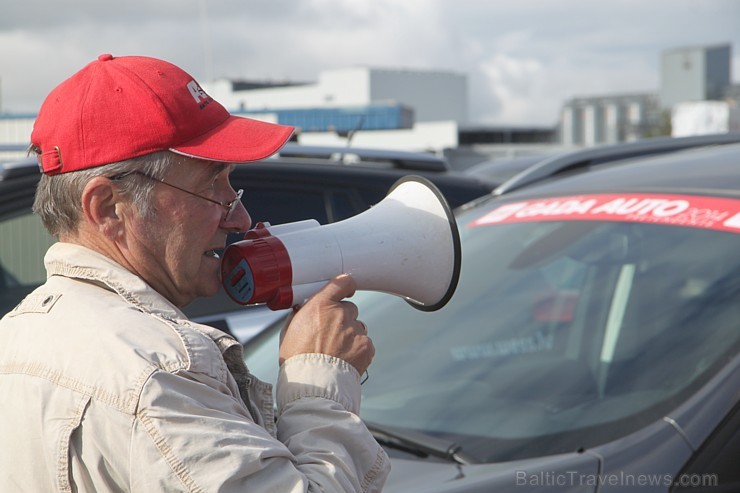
(118, 108)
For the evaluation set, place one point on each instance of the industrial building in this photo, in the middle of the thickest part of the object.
(694, 74)
(433, 95)
(421, 110)
(588, 121)
(690, 74)
(427, 110)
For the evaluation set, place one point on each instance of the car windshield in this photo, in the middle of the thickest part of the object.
(562, 334)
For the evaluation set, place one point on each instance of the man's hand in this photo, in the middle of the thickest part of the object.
(328, 325)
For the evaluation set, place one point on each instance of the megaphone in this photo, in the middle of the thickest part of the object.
(407, 245)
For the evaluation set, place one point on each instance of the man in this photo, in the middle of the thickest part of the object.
(105, 385)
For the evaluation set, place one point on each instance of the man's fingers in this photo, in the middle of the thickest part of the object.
(328, 324)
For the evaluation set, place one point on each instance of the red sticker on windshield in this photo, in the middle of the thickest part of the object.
(676, 210)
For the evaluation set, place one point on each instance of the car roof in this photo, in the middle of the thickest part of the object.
(21, 167)
(704, 170)
(410, 160)
(595, 156)
(356, 156)
(296, 169)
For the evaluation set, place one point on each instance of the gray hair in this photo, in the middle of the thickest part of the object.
(58, 199)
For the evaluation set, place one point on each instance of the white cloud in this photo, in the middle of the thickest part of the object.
(522, 59)
(518, 84)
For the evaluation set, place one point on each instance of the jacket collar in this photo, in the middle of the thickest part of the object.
(76, 261)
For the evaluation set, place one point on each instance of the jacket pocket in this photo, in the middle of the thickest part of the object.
(65, 482)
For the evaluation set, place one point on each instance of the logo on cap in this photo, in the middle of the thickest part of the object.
(199, 95)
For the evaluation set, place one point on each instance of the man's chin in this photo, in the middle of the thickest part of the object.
(205, 290)
(209, 291)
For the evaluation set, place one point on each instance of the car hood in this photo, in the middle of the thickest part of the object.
(567, 472)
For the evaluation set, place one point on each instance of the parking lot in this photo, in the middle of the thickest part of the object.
(593, 339)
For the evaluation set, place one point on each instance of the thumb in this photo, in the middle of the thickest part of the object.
(338, 288)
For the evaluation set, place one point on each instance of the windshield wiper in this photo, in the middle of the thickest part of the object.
(419, 444)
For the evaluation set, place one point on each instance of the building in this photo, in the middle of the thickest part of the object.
(432, 95)
(694, 74)
(691, 74)
(15, 134)
(427, 110)
(704, 117)
(732, 93)
(343, 120)
(418, 110)
(588, 121)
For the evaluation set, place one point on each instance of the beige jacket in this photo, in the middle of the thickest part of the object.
(106, 386)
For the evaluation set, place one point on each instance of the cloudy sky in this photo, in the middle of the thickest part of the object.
(523, 58)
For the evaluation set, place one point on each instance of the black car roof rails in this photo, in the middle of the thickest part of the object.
(400, 159)
(552, 166)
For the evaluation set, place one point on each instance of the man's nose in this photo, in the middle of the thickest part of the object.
(239, 219)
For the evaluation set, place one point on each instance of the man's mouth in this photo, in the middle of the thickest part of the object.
(215, 253)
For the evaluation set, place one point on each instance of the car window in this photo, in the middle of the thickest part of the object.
(283, 206)
(286, 205)
(23, 243)
(561, 335)
(343, 207)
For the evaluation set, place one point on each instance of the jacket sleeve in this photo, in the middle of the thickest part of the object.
(191, 434)
(318, 421)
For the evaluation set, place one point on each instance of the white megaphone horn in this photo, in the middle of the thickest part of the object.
(407, 245)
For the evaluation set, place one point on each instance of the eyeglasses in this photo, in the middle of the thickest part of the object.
(228, 206)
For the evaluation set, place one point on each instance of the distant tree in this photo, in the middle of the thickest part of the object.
(662, 128)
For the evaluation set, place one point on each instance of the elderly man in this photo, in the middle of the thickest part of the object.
(105, 384)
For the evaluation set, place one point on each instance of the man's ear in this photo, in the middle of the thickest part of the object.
(101, 206)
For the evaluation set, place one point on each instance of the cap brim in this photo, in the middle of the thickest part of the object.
(237, 140)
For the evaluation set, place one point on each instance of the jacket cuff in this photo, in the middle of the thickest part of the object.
(319, 376)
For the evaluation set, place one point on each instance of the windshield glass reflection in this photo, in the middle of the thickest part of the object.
(561, 335)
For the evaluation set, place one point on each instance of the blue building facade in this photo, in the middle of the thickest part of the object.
(345, 119)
